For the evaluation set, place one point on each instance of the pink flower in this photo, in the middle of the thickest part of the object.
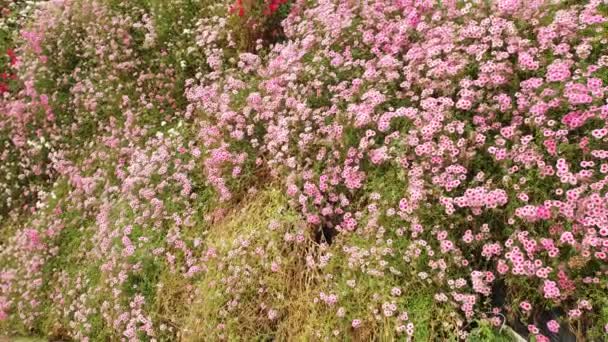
(558, 71)
(553, 326)
(533, 329)
(551, 290)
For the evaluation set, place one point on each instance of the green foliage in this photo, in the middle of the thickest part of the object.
(486, 333)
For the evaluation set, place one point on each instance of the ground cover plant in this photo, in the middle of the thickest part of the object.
(304, 170)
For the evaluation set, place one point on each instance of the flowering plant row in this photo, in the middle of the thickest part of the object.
(487, 121)
(422, 168)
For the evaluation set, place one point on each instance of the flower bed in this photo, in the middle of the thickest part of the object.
(432, 170)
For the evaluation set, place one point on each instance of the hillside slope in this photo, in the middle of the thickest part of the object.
(303, 170)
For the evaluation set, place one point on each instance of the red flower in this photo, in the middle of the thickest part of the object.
(274, 5)
(238, 5)
(12, 56)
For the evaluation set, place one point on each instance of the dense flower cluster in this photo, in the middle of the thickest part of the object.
(492, 117)
(12, 178)
(114, 192)
(434, 158)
